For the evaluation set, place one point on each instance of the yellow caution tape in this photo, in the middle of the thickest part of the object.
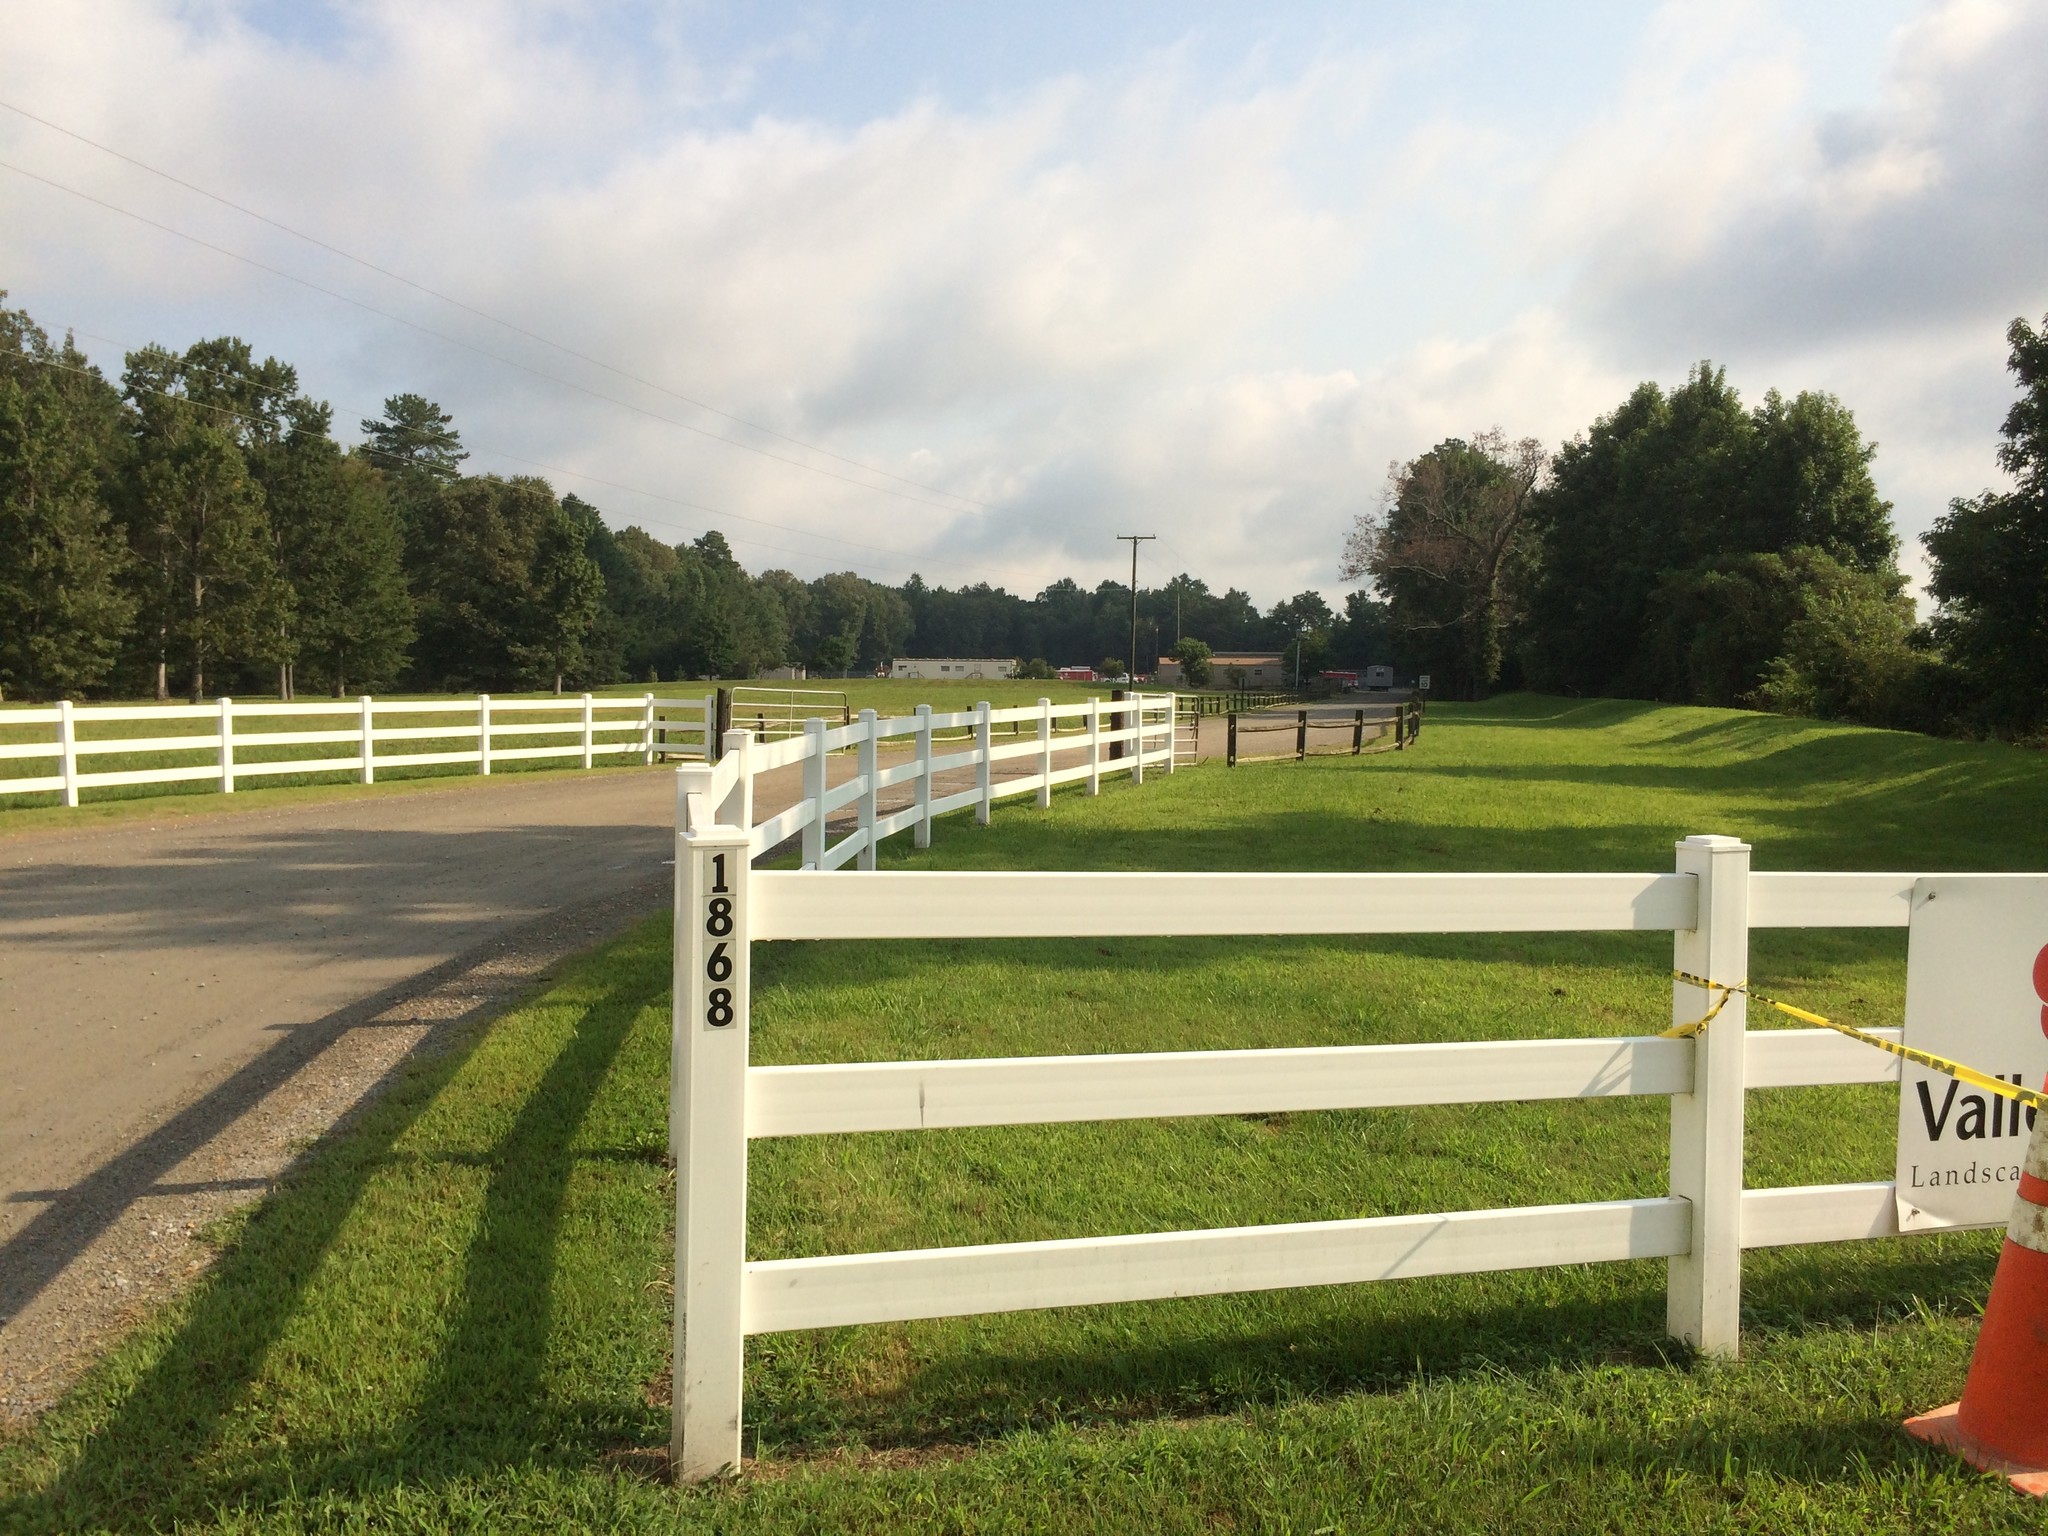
(1933, 1063)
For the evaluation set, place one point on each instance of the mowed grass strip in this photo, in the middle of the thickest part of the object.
(455, 1317)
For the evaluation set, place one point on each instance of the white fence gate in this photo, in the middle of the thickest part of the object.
(719, 1101)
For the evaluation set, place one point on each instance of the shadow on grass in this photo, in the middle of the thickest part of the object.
(1349, 1340)
(150, 1430)
(147, 1436)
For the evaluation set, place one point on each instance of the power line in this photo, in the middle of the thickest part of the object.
(1134, 540)
(562, 347)
(574, 474)
(971, 501)
(485, 352)
(398, 459)
(481, 314)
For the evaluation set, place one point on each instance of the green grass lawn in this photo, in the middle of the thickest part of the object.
(455, 1317)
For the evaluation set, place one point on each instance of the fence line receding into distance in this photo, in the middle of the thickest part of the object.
(1104, 736)
(224, 742)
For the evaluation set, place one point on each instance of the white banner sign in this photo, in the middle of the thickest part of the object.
(1977, 993)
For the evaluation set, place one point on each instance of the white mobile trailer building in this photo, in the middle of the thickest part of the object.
(946, 668)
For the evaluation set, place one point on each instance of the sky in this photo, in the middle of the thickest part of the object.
(968, 289)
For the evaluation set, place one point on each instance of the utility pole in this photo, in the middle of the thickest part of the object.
(1134, 540)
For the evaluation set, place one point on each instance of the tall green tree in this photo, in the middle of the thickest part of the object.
(1452, 551)
(567, 598)
(213, 594)
(731, 627)
(1653, 516)
(414, 444)
(283, 439)
(1194, 658)
(643, 589)
(414, 435)
(1365, 636)
(1989, 561)
(338, 545)
(64, 611)
(838, 611)
(1848, 654)
(508, 594)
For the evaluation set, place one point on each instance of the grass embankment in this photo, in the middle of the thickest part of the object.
(454, 1317)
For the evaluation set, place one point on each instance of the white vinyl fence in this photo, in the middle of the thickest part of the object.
(1701, 1226)
(226, 742)
(1109, 736)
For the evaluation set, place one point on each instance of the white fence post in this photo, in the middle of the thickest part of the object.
(227, 745)
(921, 833)
(67, 751)
(737, 809)
(870, 724)
(711, 727)
(647, 732)
(1172, 730)
(1095, 746)
(984, 776)
(1138, 738)
(587, 723)
(483, 733)
(814, 793)
(368, 705)
(1044, 753)
(1704, 1303)
(708, 1132)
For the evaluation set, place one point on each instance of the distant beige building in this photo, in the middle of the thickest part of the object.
(949, 668)
(1260, 669)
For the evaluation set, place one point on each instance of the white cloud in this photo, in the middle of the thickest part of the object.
(1135, 295)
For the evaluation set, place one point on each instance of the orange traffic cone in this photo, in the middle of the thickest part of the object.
(2001, 1424)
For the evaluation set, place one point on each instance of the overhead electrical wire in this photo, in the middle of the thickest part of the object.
(467, 346)
(499, 453)
(484, 314)
(509, 325)
(374, 453)
(504, 453)
(553, 469)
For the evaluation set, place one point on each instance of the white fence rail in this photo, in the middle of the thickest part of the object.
(1701, 1226)
(1103, 736)
(244, 740)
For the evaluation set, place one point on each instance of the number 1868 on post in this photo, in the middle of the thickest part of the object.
(719, 917)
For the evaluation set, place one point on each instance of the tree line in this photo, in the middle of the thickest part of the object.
(195, 528)
(1687, 548)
